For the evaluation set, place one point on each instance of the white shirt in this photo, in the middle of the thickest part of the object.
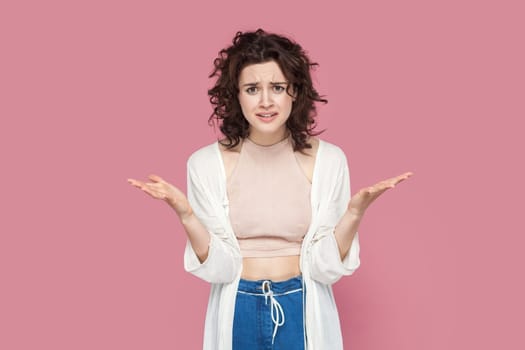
(320, 261)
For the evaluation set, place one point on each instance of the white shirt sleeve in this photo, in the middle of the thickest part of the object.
(326, 265)
(223, 262)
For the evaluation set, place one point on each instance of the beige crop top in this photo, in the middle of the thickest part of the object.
(269, 197)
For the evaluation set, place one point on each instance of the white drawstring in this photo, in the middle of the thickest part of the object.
(276, 308)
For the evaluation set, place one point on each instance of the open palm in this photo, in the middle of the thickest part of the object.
(158, 188)
(362, 199)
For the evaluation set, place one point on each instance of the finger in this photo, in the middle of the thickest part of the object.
(155, 186)
(155, 194)
(156, 178)
(135, 183)
(394, 180)
(150, 189)
(380, 186)
(391, 183)
(404, 176)
(383, 185)
(400, 178)
(141, 184)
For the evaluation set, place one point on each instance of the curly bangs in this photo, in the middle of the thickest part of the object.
(260, 47)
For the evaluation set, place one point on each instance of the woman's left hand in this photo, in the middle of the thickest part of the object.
(362, 199)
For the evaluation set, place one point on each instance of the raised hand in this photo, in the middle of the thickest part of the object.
(163, 190)
(362, 199)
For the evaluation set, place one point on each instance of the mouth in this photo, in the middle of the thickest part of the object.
(266, 115)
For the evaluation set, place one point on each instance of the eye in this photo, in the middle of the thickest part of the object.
(278, 88)
(251, 90)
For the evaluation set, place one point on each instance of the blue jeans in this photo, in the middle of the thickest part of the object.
(269, 315)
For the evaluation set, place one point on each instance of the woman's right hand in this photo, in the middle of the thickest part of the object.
(163, 190)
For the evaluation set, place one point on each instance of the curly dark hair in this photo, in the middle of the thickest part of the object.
(260, 47)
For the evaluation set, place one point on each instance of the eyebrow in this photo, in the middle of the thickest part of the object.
(271, 83)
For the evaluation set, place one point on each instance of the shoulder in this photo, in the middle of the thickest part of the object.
(330, 152)
(332, 162)
(204, 157)
(230, 157)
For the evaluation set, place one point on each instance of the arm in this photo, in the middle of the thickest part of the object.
(349, 223)
(345, 232)
(210, 256)
(335, 249)
(197, 234)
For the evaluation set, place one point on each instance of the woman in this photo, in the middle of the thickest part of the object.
(268, 216)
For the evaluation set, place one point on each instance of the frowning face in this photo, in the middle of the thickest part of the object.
(264, 101)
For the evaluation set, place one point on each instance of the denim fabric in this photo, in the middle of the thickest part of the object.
(253, 327)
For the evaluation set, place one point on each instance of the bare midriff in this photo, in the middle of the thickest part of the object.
(277, 268)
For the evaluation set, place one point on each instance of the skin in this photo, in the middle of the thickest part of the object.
(263, 90)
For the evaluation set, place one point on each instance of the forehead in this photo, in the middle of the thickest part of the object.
(261, 72)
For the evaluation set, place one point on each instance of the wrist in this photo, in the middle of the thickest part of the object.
(355, 213)
(186, 217)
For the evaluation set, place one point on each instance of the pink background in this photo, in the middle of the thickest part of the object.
(94, 93)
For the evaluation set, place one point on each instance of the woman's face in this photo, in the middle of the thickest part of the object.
(264, 101)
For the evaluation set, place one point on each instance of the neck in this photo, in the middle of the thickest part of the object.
(263, 140)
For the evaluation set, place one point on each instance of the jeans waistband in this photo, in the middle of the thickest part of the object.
(270, 290)
(256, 287)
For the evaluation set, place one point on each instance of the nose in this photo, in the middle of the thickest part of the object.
(266, 99)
